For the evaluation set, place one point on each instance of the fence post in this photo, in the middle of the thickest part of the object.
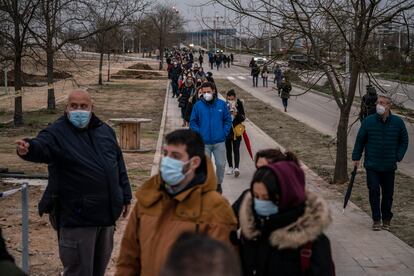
(25, 227)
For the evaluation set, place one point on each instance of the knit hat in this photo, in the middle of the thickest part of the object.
(291, 182)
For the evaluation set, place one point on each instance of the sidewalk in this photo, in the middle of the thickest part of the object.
(357, 250)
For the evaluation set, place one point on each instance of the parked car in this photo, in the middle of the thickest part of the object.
(260, 60)
(299, 60)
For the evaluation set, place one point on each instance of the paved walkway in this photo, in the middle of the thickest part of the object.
(357, 250)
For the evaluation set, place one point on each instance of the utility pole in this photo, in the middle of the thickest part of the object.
(269, 31)
(240, 34)
(225, 30)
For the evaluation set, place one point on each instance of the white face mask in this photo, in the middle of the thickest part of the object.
(380, 109)
(208, 96)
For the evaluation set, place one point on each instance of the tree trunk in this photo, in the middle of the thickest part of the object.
(341, 164)
(18, 103)
(109, 67)
(100, 68)
(51, 102)
(161, 45)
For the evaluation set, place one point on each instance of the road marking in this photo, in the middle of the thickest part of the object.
(241, 77)
(230, 78)
(401, 94)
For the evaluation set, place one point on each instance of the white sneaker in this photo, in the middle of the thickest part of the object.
(230, 171)
(236, 172)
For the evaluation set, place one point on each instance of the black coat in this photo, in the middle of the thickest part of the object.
(189, 108)
(87, 171)
(185, 94)
(272, 246)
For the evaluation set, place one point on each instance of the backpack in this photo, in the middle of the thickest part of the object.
(305, 258)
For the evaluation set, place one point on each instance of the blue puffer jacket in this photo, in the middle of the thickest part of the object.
(385, 143)
(211, 120)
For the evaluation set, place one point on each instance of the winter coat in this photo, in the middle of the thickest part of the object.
(185, 95)
(265, 73)
(286, 88)
(385, 143)
(158, 219)
(368, 104)
(212, 120)
(175, 73)
(255, 70)
(88, 169)
(239, 118)
(272, 246)
(189, 108)
(278, 74)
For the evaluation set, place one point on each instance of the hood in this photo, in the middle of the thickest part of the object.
(151, 192)
(306, 228)
(292, 184)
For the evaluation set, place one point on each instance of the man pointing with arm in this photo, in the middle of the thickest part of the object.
(89, 179)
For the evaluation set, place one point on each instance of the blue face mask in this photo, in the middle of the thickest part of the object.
(265, 208)
(172, 171)
(79, 118)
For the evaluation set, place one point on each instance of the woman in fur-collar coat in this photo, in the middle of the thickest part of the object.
(282, 225)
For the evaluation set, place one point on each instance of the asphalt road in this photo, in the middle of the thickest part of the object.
(401, 93)
(317, 111)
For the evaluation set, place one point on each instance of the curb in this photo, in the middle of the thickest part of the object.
(157, 155)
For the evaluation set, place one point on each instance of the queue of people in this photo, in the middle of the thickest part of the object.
(181, 224)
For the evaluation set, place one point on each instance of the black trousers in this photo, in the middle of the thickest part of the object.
(233, 147)
(255, 80)
(381, 183)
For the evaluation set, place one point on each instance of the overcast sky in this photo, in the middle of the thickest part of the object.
(192, 10)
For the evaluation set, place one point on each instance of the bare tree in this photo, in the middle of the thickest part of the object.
(109, 15)
(59, 22)
(16, 16)
(166, 23)
(326, 27)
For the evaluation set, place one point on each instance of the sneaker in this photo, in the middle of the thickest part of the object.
(230, 171)
(236, 172)
(376, 226)
(386, 224)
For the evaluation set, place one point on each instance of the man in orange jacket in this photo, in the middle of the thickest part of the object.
(181, 198)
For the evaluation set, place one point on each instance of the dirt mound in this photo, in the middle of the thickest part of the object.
(32, 80)
(126, 74)
(140, 66)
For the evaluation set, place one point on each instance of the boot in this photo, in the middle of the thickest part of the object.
(386, 224)
(376, 226)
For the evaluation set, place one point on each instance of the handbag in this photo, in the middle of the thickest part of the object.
(238, 130)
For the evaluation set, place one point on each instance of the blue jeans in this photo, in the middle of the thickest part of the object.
(219, 152)
(380, 182)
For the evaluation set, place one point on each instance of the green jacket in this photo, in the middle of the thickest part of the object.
(385, 143)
